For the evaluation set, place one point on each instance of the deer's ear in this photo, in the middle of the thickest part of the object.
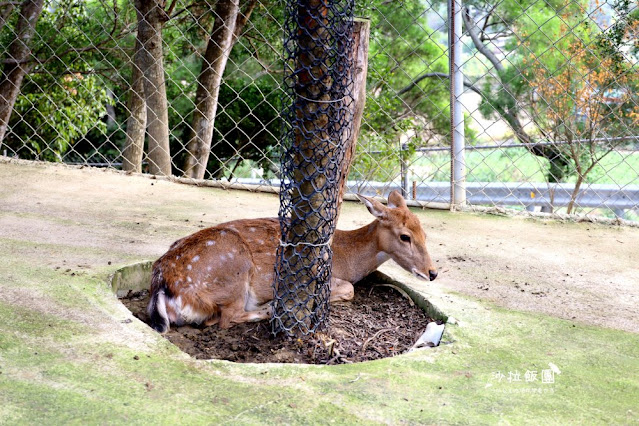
(395, 200)
(376, 208)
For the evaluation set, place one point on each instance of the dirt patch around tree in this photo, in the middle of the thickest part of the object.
(380, 322)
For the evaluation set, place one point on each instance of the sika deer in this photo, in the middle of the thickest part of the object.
(224, 274)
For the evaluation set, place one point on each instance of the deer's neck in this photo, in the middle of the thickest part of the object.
(357, 253)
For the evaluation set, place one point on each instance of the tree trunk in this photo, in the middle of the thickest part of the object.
(359, 58)
(110, 110)
(320, 123)
(559, 162)
(16, 65)
(575, 193)
(243, 18)
(151, 19)
(208, 89)
(5, 12)
(313, 87)
(136, 122)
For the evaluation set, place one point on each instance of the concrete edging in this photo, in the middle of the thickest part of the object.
(137, 276)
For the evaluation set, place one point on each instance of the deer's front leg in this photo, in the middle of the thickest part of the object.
(341, 290)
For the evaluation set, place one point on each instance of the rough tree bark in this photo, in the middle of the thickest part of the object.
(359, 57)
(151, 19)
(136, 122)
(17, 64)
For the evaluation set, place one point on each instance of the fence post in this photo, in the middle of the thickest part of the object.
(403, 169)
(458, 163)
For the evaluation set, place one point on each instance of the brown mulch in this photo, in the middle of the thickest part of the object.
(380, 322)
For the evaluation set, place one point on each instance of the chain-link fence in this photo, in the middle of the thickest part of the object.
(545, 101)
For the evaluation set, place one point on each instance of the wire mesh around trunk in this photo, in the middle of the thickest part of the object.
(316, 119)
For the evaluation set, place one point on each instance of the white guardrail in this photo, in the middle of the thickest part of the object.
(614, 197)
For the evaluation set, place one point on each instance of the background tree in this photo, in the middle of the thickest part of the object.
(247, 126)
(62, 96)
(17, 63)
(508, 36)
(151, 18)
(133, 151)
(495, 30)
(190, 47)
(209, 81)
(586, 105)
(80, 66)
(402, 112)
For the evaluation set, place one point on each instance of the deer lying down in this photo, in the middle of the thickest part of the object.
(224, 274)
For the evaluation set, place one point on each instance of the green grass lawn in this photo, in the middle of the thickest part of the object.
(519, 165)
(500, 165)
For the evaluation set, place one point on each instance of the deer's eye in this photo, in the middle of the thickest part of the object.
(405, 238)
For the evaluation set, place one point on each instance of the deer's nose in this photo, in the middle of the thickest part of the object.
(432, 274)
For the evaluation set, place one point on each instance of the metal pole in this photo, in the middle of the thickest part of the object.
(403, 169)
(458, 163)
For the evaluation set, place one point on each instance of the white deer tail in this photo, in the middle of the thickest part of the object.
(157, 306)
